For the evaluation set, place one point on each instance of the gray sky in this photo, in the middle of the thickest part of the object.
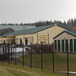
(17, 11)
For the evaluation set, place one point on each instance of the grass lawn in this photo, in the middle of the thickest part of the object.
(60, 61)
(12, 70)
(60, 65)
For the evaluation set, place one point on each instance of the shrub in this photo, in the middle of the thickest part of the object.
(20, 42)
(26, 41)
(45, 48)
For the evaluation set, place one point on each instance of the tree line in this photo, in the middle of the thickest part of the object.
(69, 23)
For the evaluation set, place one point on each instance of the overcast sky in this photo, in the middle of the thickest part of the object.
(26, 11)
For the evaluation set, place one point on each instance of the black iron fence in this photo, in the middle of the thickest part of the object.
(43, 57)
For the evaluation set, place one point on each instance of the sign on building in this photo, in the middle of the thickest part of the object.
(43, 38)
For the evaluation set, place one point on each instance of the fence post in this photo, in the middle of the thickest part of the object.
(8, 54)
(41, 56)
(15, 55)
(23, 55)
(48, 44)
(3, 53)
(0, 48)
(53, 55)
(5, 48)
(67, 63)
(37, 42)
(31, 55)
(11, 50)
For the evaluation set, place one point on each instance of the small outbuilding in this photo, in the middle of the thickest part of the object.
(3, 32)
(65, 41)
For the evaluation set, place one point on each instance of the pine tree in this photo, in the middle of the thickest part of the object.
(20, 42)
(4, 41)
(26, 41)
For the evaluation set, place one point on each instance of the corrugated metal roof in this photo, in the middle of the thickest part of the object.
(34, 30)
(17, 27)
(5, 31)
(73, 31)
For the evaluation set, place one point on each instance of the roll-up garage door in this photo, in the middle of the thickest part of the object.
(59, 45)
(71, 45)
(62, 45)
(74, 45)
(66, 45)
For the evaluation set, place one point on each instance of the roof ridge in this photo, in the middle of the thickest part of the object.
(68, 31)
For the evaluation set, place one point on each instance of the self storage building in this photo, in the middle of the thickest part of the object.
(65, 41)
(43, 34)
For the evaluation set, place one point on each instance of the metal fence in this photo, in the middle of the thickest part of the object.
(38, 56)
